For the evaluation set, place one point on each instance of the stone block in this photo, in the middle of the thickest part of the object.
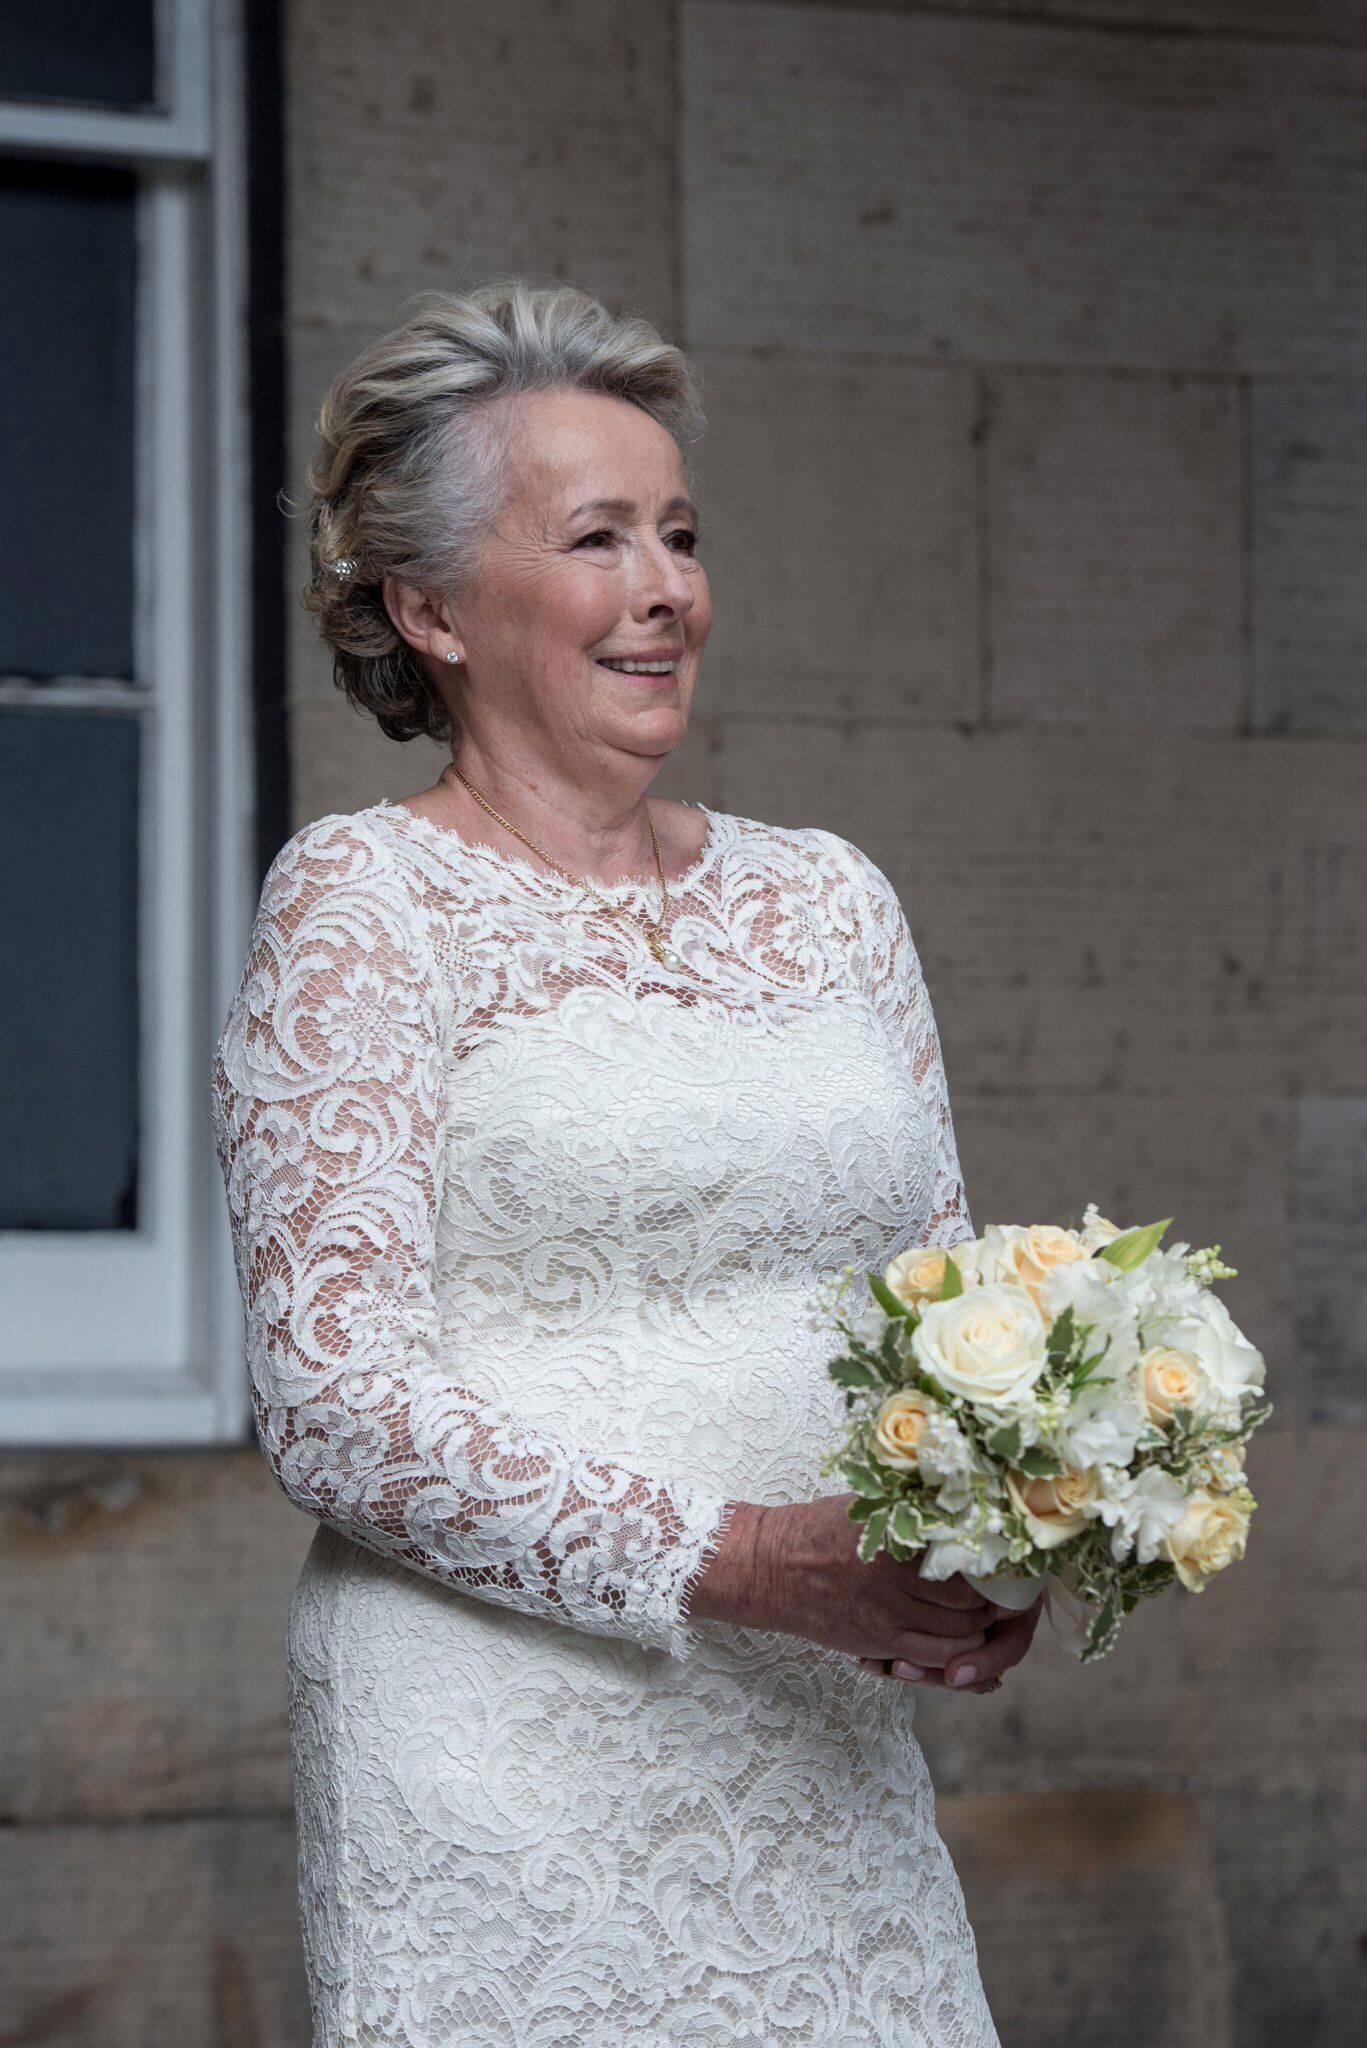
(1115, 579)
(183, 1932)
(839, 533)
(1308, 457)
(984, 190)
(1329, 1267)
(1292, 1876)
(1096, 1917)
(439, 145)
(145, 1606)
(1220, 1166)
(1181, 913)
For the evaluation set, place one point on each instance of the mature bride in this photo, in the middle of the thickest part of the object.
(541, 1107)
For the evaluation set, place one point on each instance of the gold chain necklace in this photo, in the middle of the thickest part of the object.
(651, 929)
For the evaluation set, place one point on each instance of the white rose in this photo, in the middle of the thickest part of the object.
(1233, 1366)
(987, 1345)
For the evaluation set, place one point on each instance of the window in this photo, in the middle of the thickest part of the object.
(128, 868)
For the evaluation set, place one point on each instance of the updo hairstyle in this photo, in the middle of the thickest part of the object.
(409, 477)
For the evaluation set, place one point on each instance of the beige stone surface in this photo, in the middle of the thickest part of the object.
(839, 533)
(181, 1933)
(1308, 502)
(144, 1634)
(438, 145)
(1304, 20)
(1098, 917)
(1115, 574)
(1329, 1236)
(1218, 1165)
(989, 191)
(1095, 1916)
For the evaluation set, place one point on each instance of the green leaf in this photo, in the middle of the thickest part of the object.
(1039, 1464)
(905, 1523)
(953, 1282)
(849, 1372)
(871, 1538)
(860, 1508)
(1005, 1442)
(1062, 1337)
(1132, 1247)
(890, 1303)
(864, 1479)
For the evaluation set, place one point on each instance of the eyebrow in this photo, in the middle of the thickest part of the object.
(625, 506)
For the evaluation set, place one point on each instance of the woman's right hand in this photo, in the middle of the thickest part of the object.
(797, 1569)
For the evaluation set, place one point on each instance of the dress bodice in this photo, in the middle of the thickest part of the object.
(523, 1219)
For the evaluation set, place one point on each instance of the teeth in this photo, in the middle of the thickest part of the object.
(640, 668)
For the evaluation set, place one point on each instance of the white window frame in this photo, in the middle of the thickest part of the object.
(135, 1337)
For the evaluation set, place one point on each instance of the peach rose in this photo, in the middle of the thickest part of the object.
(1211, 1532)
(899, 1428)
(917, 1275)
(1170, 1379)
(1052, 1509)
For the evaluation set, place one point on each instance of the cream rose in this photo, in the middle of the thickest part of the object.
(1210, 1533)
(986, 1345)
(918, 1275)
(899, 1428)
(1030, 1253)
(1170, 1379)
(1054, 1509)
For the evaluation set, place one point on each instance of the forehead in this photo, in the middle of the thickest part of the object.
(579, 447)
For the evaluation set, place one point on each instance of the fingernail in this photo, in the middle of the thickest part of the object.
(900, 1670)
(965, 1675)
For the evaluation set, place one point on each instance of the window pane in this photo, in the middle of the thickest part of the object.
(69, 969)
(101, 51)
(66, 420)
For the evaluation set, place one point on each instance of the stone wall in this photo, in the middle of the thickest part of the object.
(1034, 342)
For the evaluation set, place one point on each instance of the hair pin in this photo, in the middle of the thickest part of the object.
(343, 567)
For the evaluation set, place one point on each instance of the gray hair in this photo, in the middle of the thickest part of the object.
(410, 474)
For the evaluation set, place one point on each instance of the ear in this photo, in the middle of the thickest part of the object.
(422, 618)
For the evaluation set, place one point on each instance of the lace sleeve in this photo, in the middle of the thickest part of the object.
(892, 970)
(327, 1108)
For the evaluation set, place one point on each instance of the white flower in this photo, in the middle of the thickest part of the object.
(1105, 1423)
(1139, 1508)
(986, 1345)
(1233, 1366)
(1096, 1229)
(958, 1552)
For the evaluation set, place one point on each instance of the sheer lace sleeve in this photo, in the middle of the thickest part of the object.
(897, 988)
(327, 1106)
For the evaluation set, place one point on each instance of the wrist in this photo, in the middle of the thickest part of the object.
(729, 1588)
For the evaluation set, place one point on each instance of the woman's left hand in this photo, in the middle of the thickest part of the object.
(978, 1670)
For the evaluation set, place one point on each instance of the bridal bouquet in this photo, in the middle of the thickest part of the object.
(1048, 1408)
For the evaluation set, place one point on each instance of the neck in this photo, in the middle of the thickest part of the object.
(603, 833)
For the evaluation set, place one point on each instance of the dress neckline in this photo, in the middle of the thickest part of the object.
(455, 846)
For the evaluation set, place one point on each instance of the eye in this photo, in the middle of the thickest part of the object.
(602, 533)
(686, 534)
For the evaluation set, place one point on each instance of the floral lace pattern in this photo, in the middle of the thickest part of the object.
(526, 1225)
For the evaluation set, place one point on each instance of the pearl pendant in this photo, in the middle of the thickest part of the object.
(670, 958)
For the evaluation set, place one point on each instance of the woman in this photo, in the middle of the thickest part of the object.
(541, 1109)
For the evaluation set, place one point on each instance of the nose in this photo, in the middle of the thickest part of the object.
(664, 584)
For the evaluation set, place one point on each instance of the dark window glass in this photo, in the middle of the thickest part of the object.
(68, 970)
(98, 51)
(66, 419)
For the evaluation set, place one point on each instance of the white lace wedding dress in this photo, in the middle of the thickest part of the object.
(527, 1228)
